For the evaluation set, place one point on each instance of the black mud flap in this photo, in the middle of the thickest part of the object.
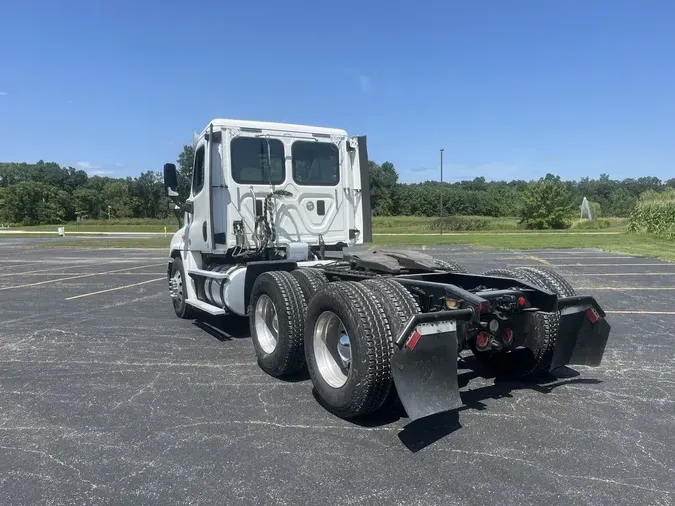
(424, 363)
(583, 333)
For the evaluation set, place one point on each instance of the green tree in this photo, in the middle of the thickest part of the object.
(185, 162)
(548, 203)
(383, 180)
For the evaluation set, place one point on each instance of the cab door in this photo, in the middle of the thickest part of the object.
(317, 180)
(199, 230)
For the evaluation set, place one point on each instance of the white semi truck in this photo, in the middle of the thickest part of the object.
(270, 225)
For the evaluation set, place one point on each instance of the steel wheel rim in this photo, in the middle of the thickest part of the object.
(266, 324)
(178, 298)
(332, 349)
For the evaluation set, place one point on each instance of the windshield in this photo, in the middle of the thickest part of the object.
(315, 163)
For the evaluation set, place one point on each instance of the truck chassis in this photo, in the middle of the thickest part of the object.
(378, 327)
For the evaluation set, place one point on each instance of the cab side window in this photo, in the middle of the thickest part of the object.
(198, 171)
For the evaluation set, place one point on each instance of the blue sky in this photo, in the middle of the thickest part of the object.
(510, 89)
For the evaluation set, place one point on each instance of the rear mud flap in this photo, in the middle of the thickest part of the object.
(583, 333)
(424, 363)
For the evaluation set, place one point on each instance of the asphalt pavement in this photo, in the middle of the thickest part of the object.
(107, 398)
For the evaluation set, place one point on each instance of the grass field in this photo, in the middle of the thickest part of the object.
(381, 225)
(129, 225)
(504, 233)
(423, 224)
(637, 245)
(159, 242)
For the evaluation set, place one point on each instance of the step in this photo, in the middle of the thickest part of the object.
(208, 308)
(207, 274)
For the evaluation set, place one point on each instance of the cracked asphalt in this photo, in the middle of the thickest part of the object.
(108, 398)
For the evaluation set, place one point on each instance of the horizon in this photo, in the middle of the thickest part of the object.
(669, 181)
(510, 92)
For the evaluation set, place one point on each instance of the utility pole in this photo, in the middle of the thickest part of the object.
(441, 191)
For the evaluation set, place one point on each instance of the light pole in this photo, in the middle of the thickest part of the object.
(441, 191)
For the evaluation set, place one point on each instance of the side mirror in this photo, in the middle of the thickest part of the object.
(170, 180)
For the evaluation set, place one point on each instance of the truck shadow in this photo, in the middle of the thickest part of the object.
(229, 327)
(421, 433)
(223, 328)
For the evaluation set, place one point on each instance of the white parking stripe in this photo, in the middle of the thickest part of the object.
(60, 268)
(625, 288)
(586, 274)
(77, 277)
(78, 273)
(618, 311)
(116, 288)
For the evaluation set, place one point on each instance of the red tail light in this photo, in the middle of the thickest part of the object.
(482, 340)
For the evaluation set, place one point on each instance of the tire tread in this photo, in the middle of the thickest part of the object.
(554, 280)
(310, 281)
(295, 308)
(449, 265)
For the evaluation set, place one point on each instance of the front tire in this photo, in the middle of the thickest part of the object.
(276, 320)
(178, 279)
(348, 349)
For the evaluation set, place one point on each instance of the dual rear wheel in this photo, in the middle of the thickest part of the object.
(345, 340)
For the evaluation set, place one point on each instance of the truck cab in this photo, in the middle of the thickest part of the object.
(273, 186)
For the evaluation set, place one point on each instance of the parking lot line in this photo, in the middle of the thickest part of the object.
(82, 273)
(77, 277)
(585, 274)
(625, 288)
(663, 264)
(627, 311)
(564, 257)
(116, 288)
(538, 259)
(60, 268)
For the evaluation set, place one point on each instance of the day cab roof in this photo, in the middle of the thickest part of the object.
(221, 123)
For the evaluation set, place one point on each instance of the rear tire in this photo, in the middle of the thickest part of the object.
(525, 276)
(359, 385)
(554, 281)
(180, 306)
(310, 281)
(449, 266)
(399, 305)
(276, 320)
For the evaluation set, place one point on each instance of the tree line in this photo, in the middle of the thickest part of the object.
(46, 193)
(611, 197)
